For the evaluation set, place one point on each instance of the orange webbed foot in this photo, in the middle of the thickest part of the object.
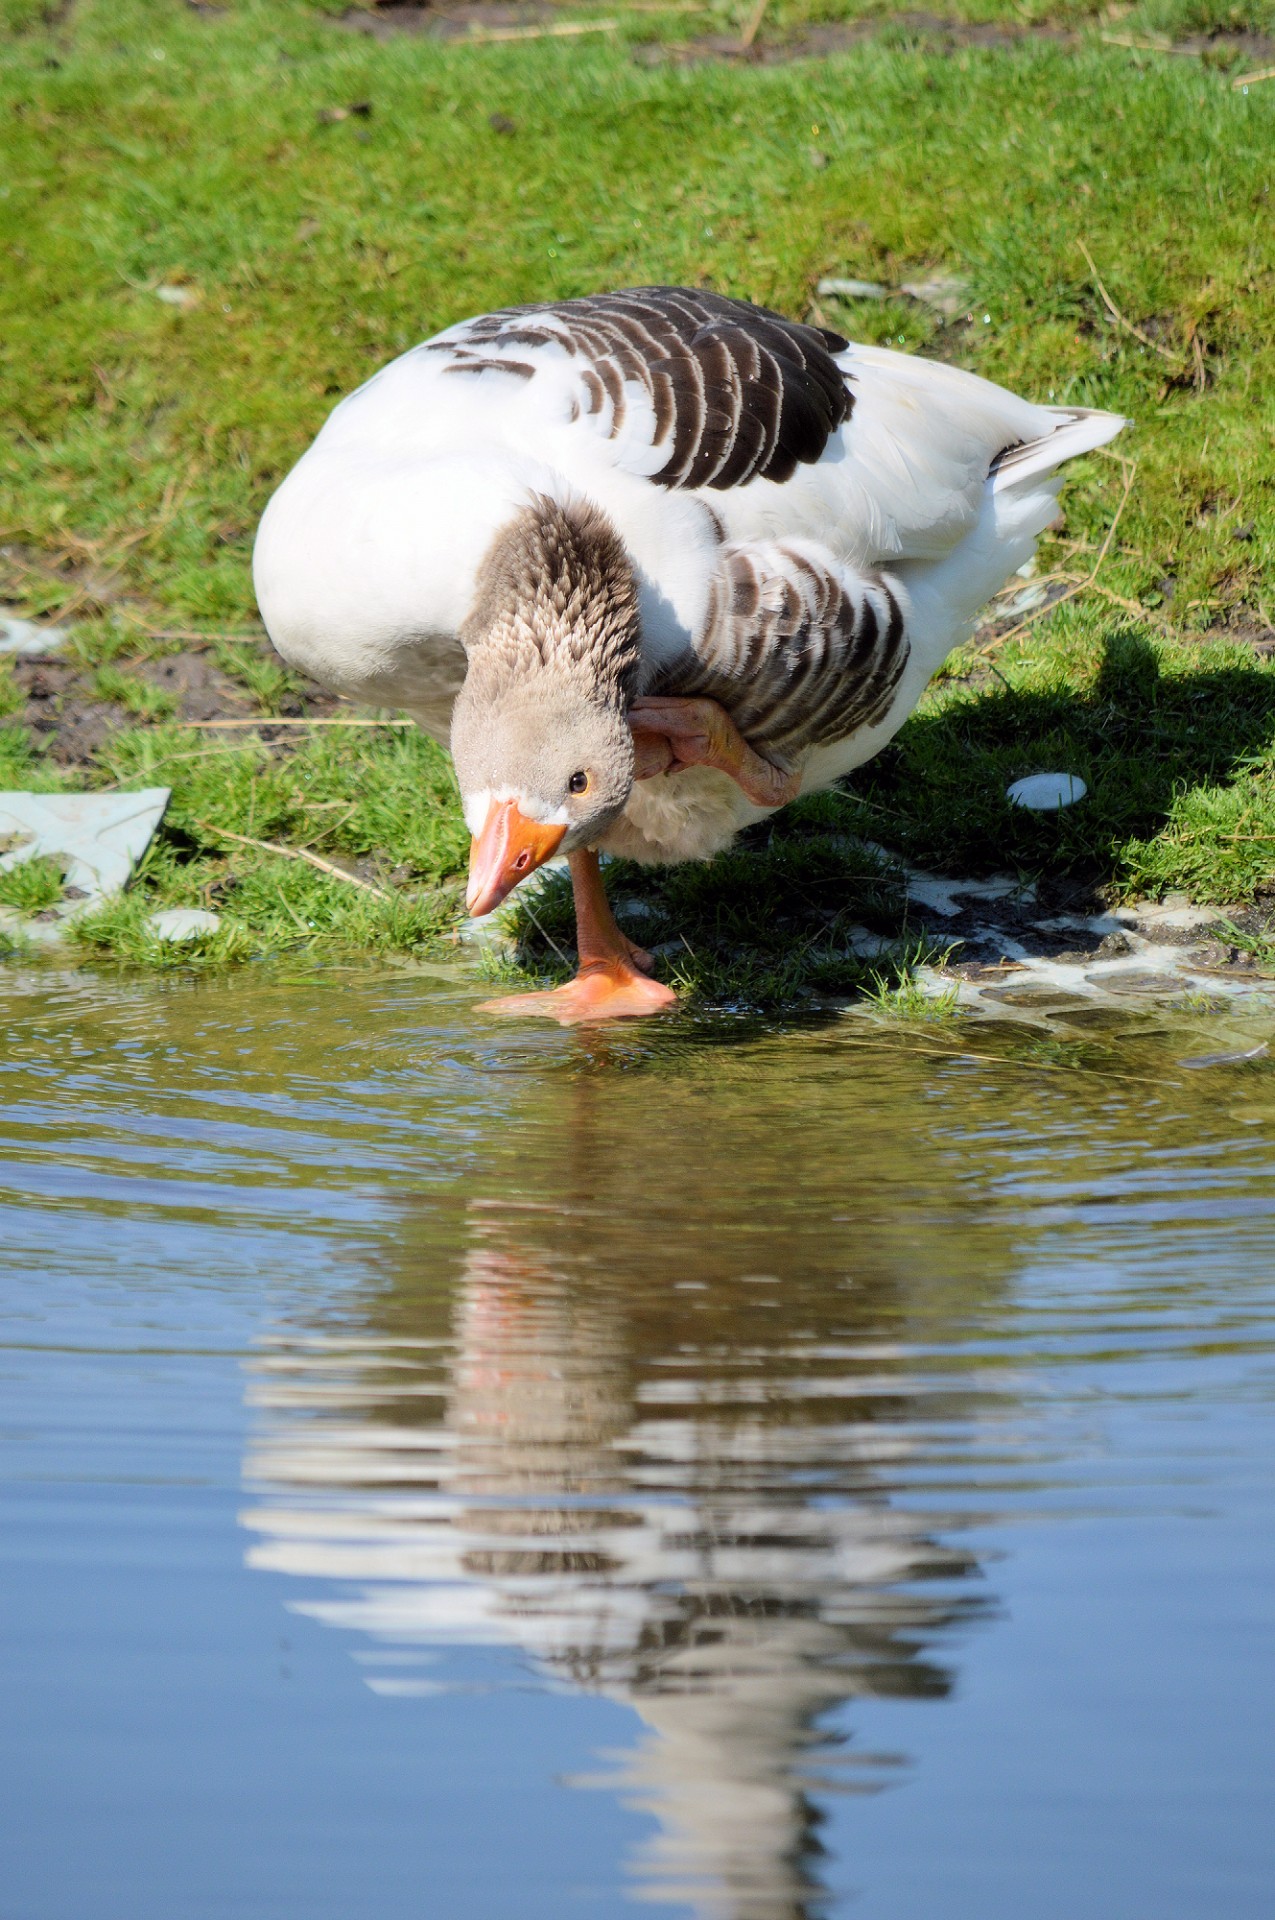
(610, 990)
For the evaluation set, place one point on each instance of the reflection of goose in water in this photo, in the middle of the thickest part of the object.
(681, 1498)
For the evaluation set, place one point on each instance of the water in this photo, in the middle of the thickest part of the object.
(454, 1470)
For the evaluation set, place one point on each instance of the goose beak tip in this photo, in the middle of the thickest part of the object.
(509, 847)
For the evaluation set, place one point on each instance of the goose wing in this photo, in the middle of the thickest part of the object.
(799, 648)
(679, 386)
(782, 429)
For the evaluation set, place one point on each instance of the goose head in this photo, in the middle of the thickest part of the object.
(542, 747)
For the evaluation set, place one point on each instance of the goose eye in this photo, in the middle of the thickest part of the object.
(578, 783)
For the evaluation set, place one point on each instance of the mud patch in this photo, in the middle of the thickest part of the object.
(933, 33)
(69, 724)
(1249, 628)
(818, 43)
(202, 691)
(457, 23)
(72, 721)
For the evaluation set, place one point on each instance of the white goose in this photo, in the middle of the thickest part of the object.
(657, 533)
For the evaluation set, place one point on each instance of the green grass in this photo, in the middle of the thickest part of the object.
(342, 795)
(149, 146)
(138, 697)
(1177, 749)
(31, 884)
(896, 994)
(1262, 949)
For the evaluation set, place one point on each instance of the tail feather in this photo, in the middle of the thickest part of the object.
(1079, 430)
(1020, 500)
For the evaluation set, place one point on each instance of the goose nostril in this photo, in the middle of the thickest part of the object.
(520, 863)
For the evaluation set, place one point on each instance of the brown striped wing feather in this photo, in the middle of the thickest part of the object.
(733, 392)
(799, 650)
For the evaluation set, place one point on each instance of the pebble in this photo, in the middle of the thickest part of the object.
(182, 923)
(1183, 919)
(947, 293)
(1120, 981)
(28, 637)
(1046, 792)
(853, 290)
(1023, 601)
(1035, 994)
(1225, 1059)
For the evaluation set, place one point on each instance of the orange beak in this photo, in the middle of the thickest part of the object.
(509, 848)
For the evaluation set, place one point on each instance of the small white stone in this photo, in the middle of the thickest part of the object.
(1182, 919)
(182, 923)
(178, 296)
(951, 897)
(633, 909)
(1258, 1052)
(866, 945)
(1024, 600)
(927, 890)
(1046, 792)
(852, 290)
(946, 293)
(1000, 887)
(27, 636)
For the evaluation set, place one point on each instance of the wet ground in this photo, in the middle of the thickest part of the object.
(814, 40)
(1070, 960)
(778, 1472)
(72, 721)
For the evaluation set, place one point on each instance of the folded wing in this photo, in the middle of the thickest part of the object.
(799, 648)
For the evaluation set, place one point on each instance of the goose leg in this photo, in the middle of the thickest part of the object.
(611, 983)
(671, 734)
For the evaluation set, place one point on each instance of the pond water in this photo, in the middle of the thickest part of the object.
(491, 1472)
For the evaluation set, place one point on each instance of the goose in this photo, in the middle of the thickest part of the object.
(654, 563)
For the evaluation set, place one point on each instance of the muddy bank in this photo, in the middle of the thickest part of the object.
(492, 19)
(935, 34)
(71, 718)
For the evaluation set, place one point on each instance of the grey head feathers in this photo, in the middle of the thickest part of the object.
(555, 593)
(552, 641)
